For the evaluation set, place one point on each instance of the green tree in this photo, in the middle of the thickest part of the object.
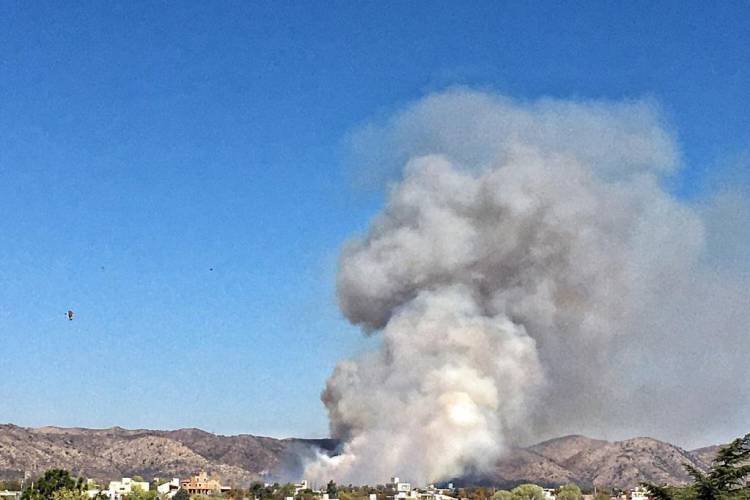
(256, 490)
(332, 489)
(569, 492)
(726, 479)
(138, 493)
(502, 495)
(70, 494)
(101, 495)
(727, 475)
(181, 495)
(50, 482)
(287, 490)
(528, 492)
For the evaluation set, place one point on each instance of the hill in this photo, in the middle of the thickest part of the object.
(115, 452)
(111, 453)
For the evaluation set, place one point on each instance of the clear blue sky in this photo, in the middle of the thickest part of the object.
(144, 143)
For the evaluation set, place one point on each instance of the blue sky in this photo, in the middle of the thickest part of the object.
(143, 144)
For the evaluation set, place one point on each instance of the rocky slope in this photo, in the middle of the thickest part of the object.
(590, 462)
(708, 453)
(110, 453)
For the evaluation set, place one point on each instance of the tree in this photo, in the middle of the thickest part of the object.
(287, 490)
(52, 481)
(726, 479)
(332, 489)
(181, 495)
(100, 495)
(138, 493)
(528, 492)
(255, 490)
(70, 494)
(569, 492)
(502, 495)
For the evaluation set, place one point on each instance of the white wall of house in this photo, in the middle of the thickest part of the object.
(125, 486)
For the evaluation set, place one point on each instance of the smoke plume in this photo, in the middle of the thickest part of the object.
(529, 275)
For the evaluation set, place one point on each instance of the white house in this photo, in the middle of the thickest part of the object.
(639, 493)
(434, 495)
(124, 487)
(9, 495)
(169, 488)
(401, 489)
(301, 486)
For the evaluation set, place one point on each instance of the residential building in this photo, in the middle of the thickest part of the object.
(433, 493)
(639, 493)
(401, 489)
(301, 486)
(9, 495)
(125, 486)
(169, 488)
(202, 484)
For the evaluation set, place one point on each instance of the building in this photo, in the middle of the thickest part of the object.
(169, 488)
(433, 493)
(125, 486)
(300, 487)
(549, 494)
(401, 489)
(639, 493)
(201, 484)
(9, 495)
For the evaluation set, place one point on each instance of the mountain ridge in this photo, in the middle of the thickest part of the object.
(240, 459)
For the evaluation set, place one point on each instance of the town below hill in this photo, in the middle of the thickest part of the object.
(239, 461)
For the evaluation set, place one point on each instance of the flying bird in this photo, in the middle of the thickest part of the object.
(70, 315)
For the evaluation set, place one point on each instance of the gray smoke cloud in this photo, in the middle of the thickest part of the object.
(530, 276)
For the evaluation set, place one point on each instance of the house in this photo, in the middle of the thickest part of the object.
(433, 493)
(203, 485)
(9, 495)
(125, 486)
(169, 488)
(401, 489)
(639, 493)
(300, 487)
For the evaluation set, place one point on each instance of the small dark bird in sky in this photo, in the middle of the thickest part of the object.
(70, 315)
(210, 268)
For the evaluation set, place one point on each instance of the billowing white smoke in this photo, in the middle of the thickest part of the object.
(512, 275)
